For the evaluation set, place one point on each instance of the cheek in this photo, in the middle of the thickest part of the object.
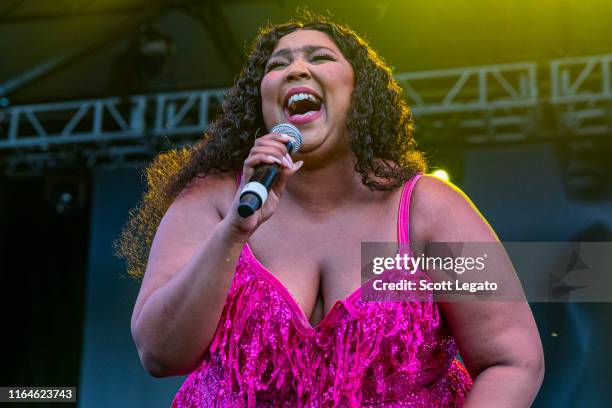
(265, 91)
(349, 81)
(268, 94)
(268, 88)
(269, 99)
(344, 86)
(341, 80)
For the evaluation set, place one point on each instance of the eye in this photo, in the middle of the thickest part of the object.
(275, 64)
(323, 57)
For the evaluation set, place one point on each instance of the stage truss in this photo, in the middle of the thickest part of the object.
(519, 102)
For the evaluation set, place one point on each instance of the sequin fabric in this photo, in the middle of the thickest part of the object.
(265, 352)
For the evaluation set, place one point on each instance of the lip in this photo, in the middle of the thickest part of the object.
(304, 118)
(300, 89)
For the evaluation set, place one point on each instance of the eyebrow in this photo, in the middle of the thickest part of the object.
(309, 49)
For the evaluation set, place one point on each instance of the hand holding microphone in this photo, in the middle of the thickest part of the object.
(255, 192)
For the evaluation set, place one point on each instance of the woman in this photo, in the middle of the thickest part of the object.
(295, 332)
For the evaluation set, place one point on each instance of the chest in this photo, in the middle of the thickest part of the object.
(320, 263)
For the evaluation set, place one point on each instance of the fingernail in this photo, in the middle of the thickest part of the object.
(275, 159)
(287, 162)
(298, 165)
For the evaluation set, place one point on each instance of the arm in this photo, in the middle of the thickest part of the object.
(498, 341)
(188, 274)
(192, 262)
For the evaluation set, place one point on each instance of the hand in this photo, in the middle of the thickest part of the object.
(268, 149)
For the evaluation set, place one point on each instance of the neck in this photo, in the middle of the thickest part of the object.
(320, 190)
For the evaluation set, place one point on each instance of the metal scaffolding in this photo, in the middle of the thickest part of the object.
(581, 91)
(472, 105)
(103, 130)
(493, 103)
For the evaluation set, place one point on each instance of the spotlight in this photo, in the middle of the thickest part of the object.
(441, 174)
(446, 160)
(65, 194)
(150, 49)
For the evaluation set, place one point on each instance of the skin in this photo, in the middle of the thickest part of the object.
(313, 207)
(322, 68)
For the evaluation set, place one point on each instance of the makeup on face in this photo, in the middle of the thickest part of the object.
(308, 83)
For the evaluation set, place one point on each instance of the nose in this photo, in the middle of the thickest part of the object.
(298, 70)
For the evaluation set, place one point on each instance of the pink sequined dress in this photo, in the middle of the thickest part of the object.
(265, 352)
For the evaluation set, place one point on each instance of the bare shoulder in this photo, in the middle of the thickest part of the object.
(441, 212)
(195, 211)
(203, 195)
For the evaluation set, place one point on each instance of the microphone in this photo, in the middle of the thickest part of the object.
(255, 192)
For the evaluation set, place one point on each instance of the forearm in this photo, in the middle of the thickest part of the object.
(506, 386)
(178, 320)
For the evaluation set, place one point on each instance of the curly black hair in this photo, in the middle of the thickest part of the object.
(379, 124)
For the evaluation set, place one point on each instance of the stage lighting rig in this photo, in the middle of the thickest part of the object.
(150, 49)
(65, 193)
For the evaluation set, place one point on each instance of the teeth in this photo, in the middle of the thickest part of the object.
(300, 96)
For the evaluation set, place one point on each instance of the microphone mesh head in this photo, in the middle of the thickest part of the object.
(291, 131)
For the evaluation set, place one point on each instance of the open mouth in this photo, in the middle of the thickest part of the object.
(303, 107)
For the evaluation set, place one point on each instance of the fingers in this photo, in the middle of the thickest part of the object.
(274, 143)
(269, 157)
(279, 137)
(284, 176)
(298, 166)
(268, 149)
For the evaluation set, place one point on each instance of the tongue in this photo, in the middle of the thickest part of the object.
(302, 115)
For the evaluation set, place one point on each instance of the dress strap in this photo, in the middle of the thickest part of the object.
(403, 223)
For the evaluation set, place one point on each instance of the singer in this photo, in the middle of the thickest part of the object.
(265, 310)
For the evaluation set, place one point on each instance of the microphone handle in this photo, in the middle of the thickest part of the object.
(265, 174)
(256, 190)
